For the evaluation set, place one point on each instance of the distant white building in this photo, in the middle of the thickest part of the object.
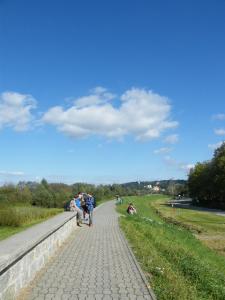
(149, 186)
(155, 188)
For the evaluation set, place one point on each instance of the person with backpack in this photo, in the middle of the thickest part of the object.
(90, 208)
(83, 205)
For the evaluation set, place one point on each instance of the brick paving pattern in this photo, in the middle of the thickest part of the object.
(95, 264)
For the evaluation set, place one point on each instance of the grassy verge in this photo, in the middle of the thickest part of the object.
(17, 218)
(208, 227)
(177, 265)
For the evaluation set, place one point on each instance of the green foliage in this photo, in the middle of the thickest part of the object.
(6, 231)
(48, 195)
(175, 188)
(42, 197)
(207, 181)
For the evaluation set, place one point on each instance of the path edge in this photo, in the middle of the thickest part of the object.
(152, 294)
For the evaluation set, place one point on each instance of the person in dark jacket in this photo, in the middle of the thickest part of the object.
(90, 208)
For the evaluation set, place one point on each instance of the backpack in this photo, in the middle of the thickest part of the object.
(90, 203)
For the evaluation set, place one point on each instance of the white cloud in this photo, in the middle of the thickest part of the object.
(218, 117)
(15, 110)
(171, 139)
(163, 150)
(12, 173)
(99, 96)
(215, 146)
(219, 131)
(141, 113)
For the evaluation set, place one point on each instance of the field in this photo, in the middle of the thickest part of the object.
(17, 217)
(207, 227)
(176, 263)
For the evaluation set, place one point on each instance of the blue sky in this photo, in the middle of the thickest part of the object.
(110, 91)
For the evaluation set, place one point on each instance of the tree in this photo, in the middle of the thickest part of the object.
(42, 197)
(206, 181)
(45, 183)
(218, 166)
(24, 195)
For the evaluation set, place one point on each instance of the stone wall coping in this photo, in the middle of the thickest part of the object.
(19, 244)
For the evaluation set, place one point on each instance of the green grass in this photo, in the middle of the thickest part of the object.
(18, 217)
(208, 227)
(177, 265)
(199, 220)
(6, 231)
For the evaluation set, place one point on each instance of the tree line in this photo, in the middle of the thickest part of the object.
(206, 181)
(46, 194)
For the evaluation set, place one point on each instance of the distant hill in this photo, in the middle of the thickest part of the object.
(163, 184)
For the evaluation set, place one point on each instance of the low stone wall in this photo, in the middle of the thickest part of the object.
(25, 253)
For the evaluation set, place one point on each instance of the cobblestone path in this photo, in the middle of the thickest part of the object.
(95, 264)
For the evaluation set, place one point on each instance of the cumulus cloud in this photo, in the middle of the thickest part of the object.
(163, 150)
(15, 110)
(220, 117)
(140, 113)
(220, 131)
(171, 139)
(99, 95)
(215, 146)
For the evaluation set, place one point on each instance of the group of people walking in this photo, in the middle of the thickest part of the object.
(83, 204)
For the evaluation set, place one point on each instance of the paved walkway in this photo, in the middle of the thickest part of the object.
(95, 264)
